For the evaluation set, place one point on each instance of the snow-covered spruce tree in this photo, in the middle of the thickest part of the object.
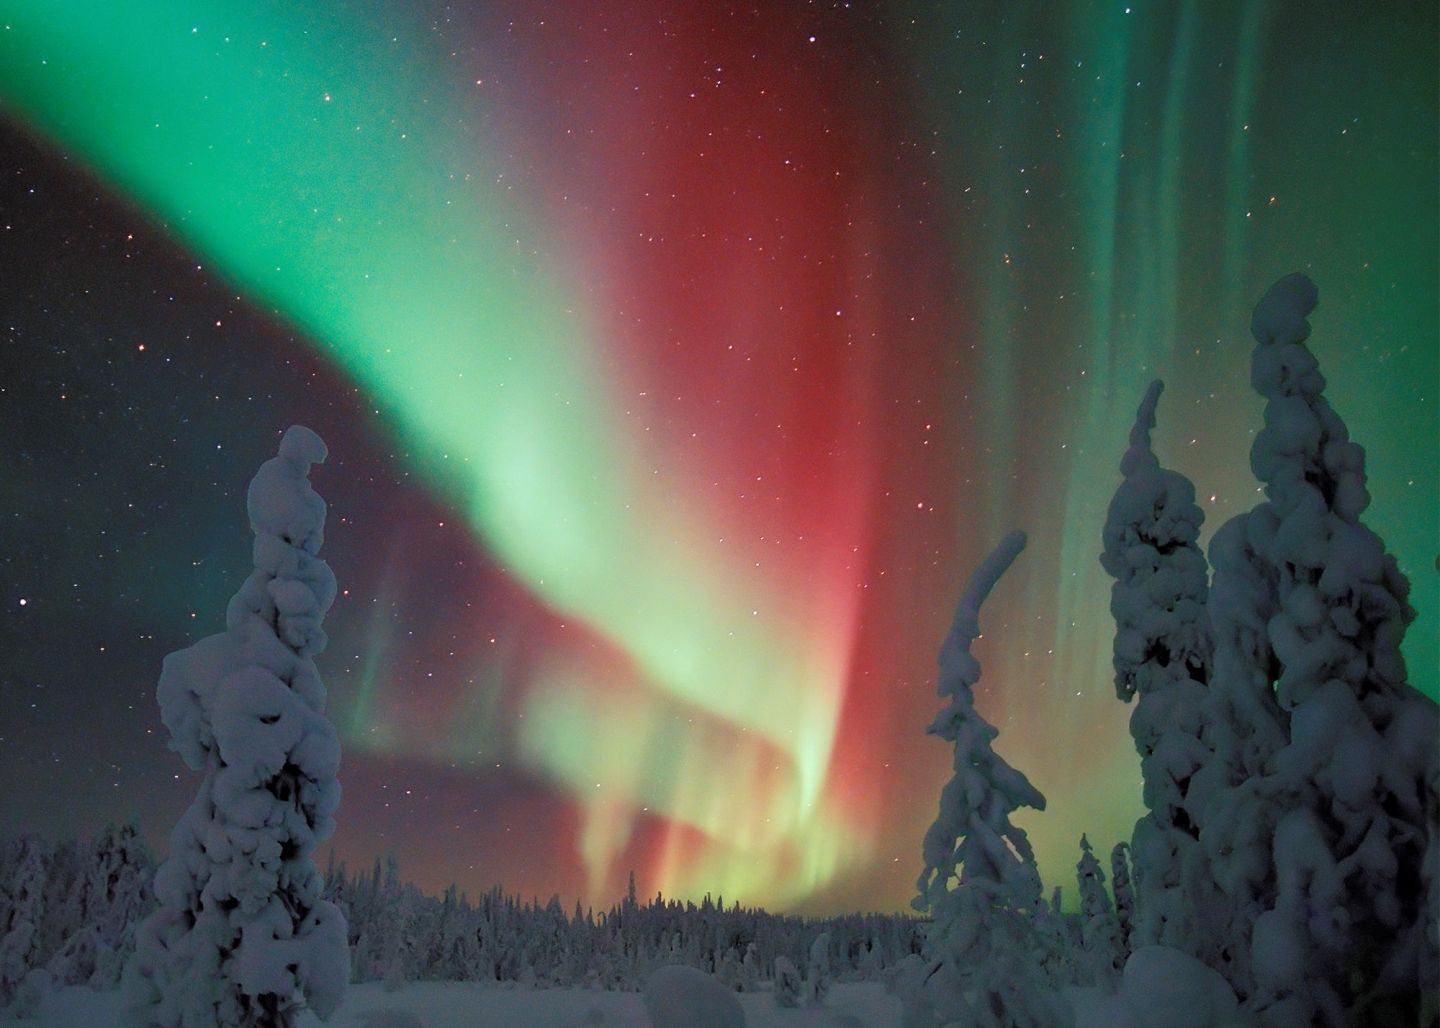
(121, 893)
(1162, 654)
(789, 986)
(119, 883)
(980, 883)
(1245, 727)
(67, 895)
(20, 940)
(1124, 890)
(749, 970)
(242, 936)
(12, 851)
(1323, 831)
(1099, 927)
(75, 962)
(75, 892)
(817, 970)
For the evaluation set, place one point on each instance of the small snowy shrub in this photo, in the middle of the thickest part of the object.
(75, 962)
(789, 986)
(32, 992)
(817, 973)
(1124, 894)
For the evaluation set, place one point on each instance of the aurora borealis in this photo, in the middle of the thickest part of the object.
(677, 362)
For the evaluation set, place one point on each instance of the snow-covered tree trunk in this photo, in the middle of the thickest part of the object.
(242, 935)
(1324, 822)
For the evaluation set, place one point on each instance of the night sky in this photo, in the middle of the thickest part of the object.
(677, 362)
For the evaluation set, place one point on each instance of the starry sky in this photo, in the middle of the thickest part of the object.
(677, 363)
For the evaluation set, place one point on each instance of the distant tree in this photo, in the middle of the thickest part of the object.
(119, 889)
(749, 969)
(75, 961)
(242, 936)
(1124, 890)
(1098, 925)
(120, 897)
(12, 851)
(396, 929)
(67, 895)
(20, 939)
(459, 941)
(365, 931)
(817, 970)
(789, 986)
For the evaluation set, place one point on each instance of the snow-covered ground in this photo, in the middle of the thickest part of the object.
(470, 1005)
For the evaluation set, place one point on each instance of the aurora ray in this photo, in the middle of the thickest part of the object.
(711, 349)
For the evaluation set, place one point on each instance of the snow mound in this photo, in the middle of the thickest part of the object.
(1160, 988)
(684, 997)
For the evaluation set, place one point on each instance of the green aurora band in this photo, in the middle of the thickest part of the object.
(308, 156)
(340, 173)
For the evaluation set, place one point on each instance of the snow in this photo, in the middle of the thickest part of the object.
(686, 997)
(1160, 988)
(474, 1005)
(1280, 314)
(280, 499)
(957, 667)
